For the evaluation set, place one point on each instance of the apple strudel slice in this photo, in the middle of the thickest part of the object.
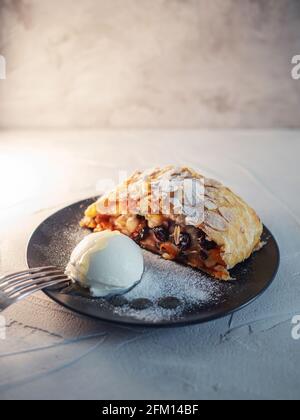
(183, 216)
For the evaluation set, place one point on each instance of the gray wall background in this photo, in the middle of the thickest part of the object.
(149, 63)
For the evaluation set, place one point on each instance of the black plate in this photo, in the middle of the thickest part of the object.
(54, 240)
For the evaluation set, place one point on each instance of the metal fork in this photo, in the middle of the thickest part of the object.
(17, 286)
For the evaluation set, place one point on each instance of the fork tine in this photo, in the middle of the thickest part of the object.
(8, 284)
(38, 282)
(33, 289)
(29, 271)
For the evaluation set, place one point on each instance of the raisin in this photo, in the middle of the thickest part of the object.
(143, 233)
(161, 234)
(184, 241)
(201, 235)
(203, 255)
(208, 245)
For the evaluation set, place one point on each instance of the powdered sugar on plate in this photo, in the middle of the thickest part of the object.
(166, 283)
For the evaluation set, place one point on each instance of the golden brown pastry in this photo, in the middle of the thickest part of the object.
(183, 216)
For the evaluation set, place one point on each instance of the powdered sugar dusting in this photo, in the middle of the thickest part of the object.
(165, 279)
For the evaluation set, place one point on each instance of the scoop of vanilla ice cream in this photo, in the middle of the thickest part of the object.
(107, 263)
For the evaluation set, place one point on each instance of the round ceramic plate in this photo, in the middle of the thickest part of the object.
(168, 295)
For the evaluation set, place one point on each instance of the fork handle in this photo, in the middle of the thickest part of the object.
(4, 302)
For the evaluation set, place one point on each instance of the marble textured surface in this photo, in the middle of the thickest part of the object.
(149, 64)
(50, 352)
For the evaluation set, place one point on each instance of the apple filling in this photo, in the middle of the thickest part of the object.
(186, 244)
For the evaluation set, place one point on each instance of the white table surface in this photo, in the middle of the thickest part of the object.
(50, 352)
